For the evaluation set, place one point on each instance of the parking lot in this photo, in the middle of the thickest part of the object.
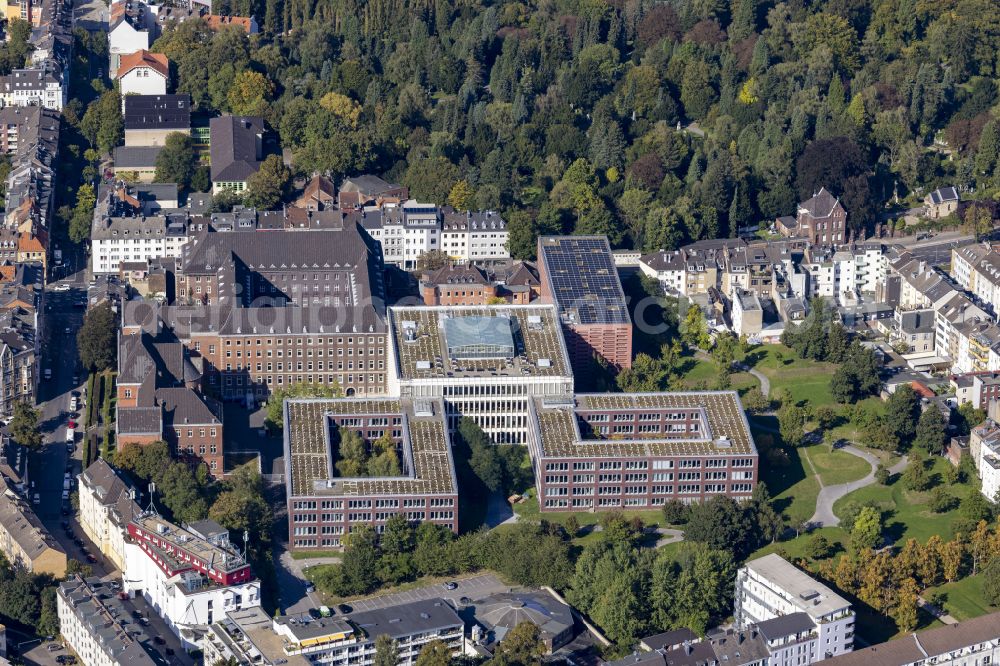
(474, 588)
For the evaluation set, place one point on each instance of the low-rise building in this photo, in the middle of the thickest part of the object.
(91, 623)
(136, 163)
(24, 540)
(150, 119)
(251, 637)
(107, 504)
(192, 576)
(237, 149)
(367, 190)
(770, 587)
(942, 202)
(500, 613)
(467, 284)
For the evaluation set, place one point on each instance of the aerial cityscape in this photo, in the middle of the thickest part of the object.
(396, 333)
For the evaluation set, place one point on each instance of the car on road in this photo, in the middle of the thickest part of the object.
(91, 557)
(74, 403)
(36, 499)
(310, 589)
(71, 424)
(53, 647)
(451, 585)
(344, 608)
(47, 373)
(67, 330)
(63, 287)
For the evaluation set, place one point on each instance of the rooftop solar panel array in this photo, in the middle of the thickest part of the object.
(583, 279)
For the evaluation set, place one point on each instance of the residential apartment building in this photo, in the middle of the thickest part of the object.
(578, 275)
(138, 238)
(633, 451)
(43, 85)
(107, 505)
(770, 587)
(410, 229)
(19, 349)
(130, 29)
(976, 268)
(91, 623)
(486, 363)
(822, 220)
(191, 576)
(974, 641)
(747, 313)
(24, 540)
(323, 507)
(250, 636)
(143, 73)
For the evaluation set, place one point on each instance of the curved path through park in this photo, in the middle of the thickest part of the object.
(828, 495)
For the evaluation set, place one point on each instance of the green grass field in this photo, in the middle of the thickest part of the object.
(964, 598)
(807, 381)
(909, 512)
(835, 467)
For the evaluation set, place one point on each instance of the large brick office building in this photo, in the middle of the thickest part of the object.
(269, 309)
(322, 506)
(578, 275)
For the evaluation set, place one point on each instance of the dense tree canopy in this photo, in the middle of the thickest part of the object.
(571, 116)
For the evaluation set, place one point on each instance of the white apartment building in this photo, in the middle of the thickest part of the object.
(771, 587)
(748, 314)
(126, 35)
(251, 637)
(42, 85)
(977, 269)
(119, 239)
(410, 229)
(88, 626)
(180, 573)
(842, 274)
(107, 505)
(487, 363)
(974, 642)
(667, 266)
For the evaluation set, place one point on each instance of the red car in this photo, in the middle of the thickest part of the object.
(71, 424)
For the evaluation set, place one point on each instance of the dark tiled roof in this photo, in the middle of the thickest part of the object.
(135, 157)
(236, 147)
(183, 406)
(668, 639)
(786, 625)
(140, 421)
(821, 204)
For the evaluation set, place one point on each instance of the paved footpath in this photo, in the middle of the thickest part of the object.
(828, 495)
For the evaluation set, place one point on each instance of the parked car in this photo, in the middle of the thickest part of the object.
(451, 585)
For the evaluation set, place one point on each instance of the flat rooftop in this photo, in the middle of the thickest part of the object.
(583, 279)
(812, 596)
(427, 461)
(421, 337)
(221, 559)
(723, 426)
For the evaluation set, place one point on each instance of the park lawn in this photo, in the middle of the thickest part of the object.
(806, 381)
(743, 382)
(835, 467)
(528, 510)
(910, 516)
(793, 487)
(696, 373)
(964, 598)
(795, 549)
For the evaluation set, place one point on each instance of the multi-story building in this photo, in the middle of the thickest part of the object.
(323, 507)
(668, 267)
(411, 229)
(138, 238)
(473, 236)
(251, 637)
(159, 397)
(822, 220)
(24, 540)
(607, 451)
(150, 119)
(91, 623)
(974, 641)
(747, 313)
(976, 268)
(191, 576)
(19, 349)
(486, 363)
(143, 73)
(578, 275)
(237, 150)
(467, 284)
(43, 85)
(107, 504)
(770, 587)
(130, 29)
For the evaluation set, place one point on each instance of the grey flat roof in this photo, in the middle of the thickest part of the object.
(786, 576)
(407, 619)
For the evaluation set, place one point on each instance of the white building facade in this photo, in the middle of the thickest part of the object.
(770, 587)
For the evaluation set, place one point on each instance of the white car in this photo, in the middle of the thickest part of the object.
(70, 433)
(37, 499)
(73, 403)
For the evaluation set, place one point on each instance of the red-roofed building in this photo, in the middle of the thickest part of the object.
(144, 73)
